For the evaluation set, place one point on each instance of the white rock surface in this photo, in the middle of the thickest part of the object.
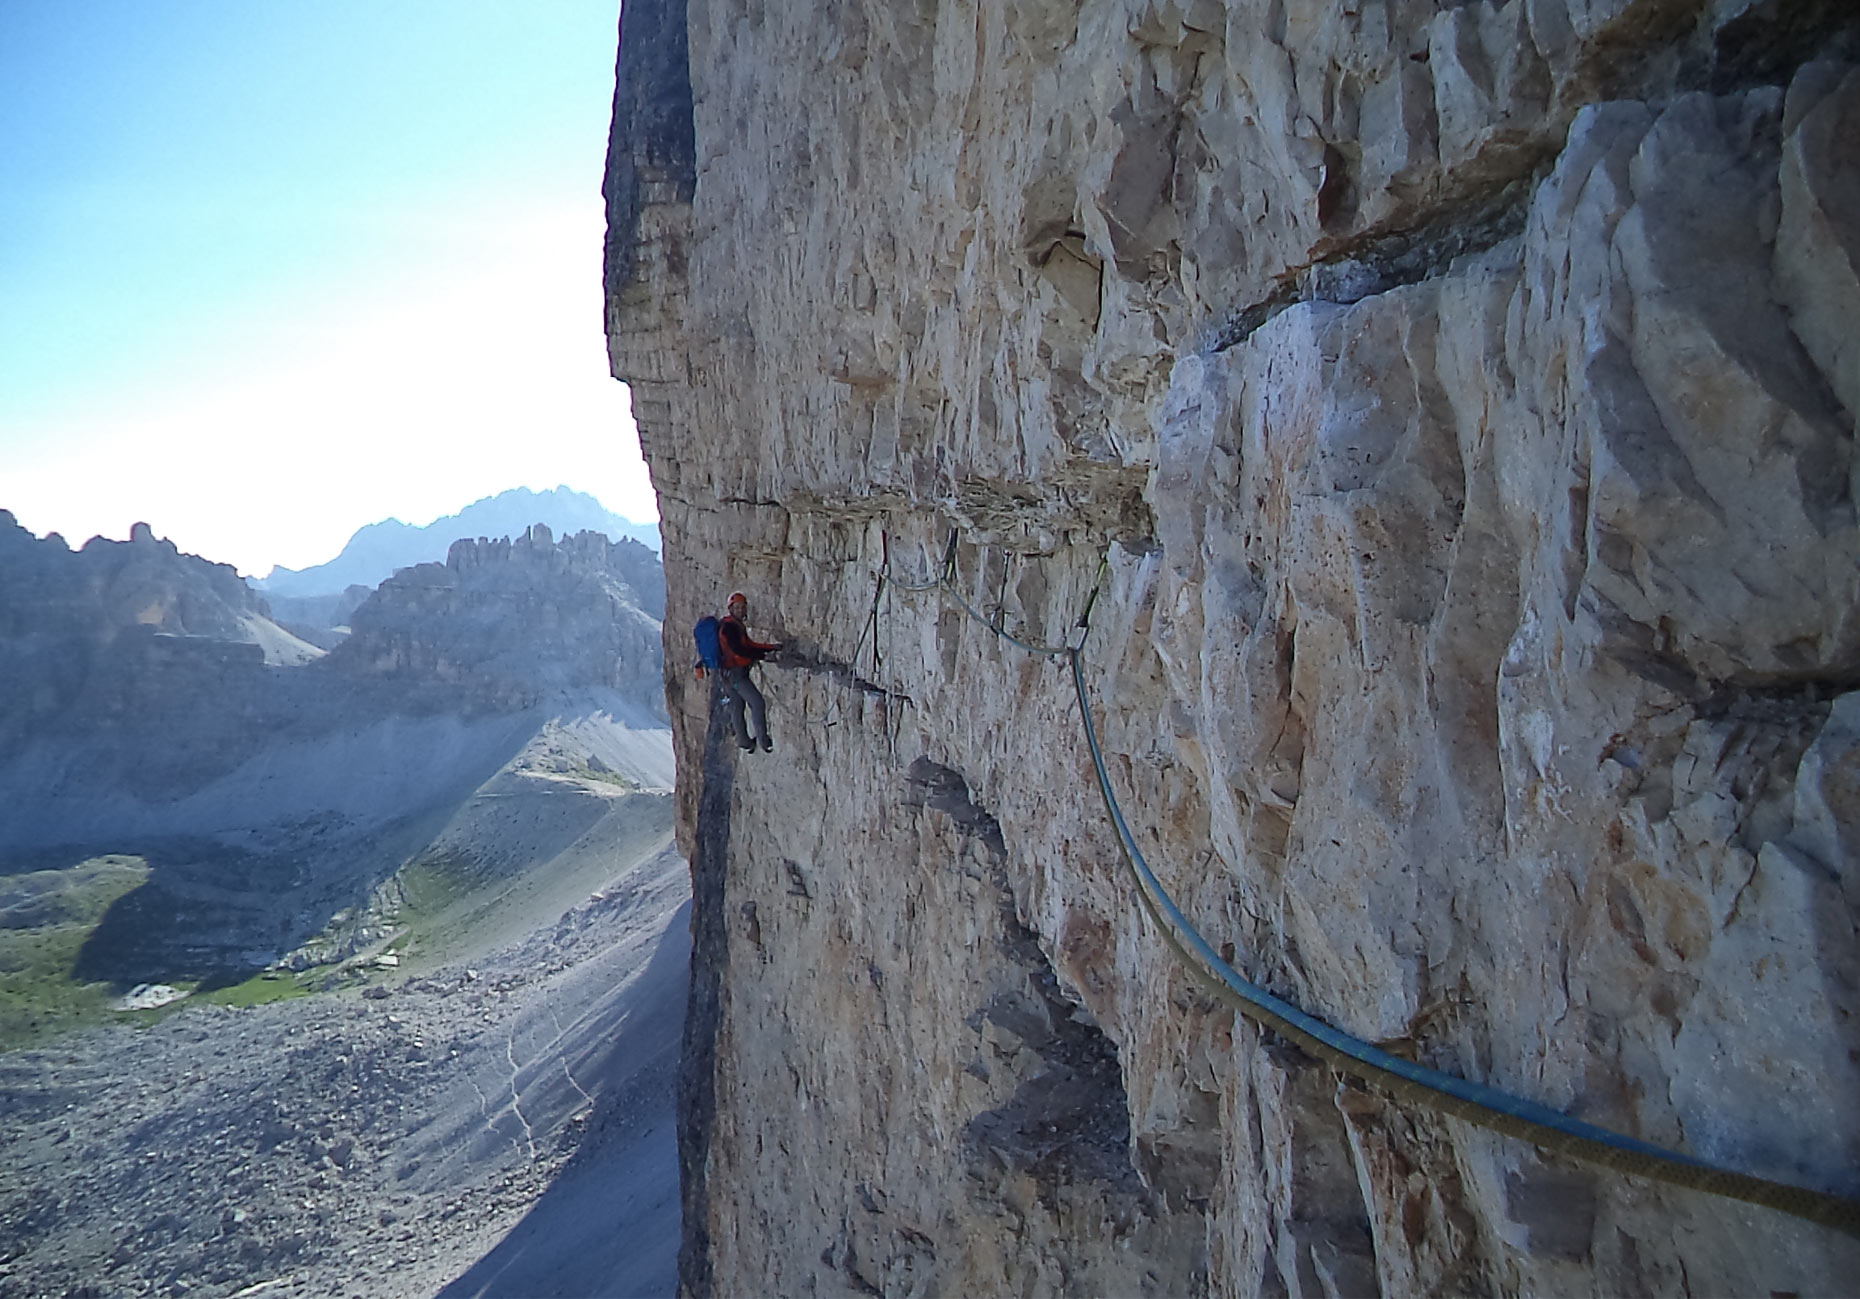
(1464, 398)
(148, 996)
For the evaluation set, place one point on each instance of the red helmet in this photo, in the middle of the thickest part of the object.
(734, 597)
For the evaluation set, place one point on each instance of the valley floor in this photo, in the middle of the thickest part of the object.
(498, 1128)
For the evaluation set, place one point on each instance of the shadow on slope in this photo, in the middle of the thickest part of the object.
(521, 853)
(204, 914)
(214, 912)
(305, 851)
(609, 1222)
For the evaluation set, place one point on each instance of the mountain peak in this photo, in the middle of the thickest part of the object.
(377, 550)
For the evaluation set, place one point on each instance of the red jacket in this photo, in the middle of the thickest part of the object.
(739, 651)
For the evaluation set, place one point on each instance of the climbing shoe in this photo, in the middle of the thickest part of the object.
(768, 745)
(747, 746)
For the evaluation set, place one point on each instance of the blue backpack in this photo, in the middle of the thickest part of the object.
(709, 643)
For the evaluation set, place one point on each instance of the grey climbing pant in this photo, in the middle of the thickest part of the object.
(738, 691)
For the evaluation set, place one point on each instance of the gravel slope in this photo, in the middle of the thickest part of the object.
(497, 1128)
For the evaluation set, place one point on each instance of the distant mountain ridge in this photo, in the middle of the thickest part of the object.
(378, 550)
(118, 623)
(159, 672)
(504, 623)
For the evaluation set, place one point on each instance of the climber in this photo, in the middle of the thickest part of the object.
(736, 654)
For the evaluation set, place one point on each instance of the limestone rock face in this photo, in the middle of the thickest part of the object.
(504, 623)
(1460, 402)
(109, 589)
(88, 629)
(322, 620)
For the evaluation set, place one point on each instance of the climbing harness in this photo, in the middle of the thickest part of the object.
(1475, 1103)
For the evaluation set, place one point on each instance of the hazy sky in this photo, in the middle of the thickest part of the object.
(272, 269)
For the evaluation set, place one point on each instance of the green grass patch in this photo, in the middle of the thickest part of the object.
(45, 919)
(442, 900)
(259, 990)
(433, 885)
(606, 775)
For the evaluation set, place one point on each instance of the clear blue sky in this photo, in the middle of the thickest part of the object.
(272, 269)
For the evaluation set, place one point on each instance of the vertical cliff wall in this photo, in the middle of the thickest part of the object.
(1460, 401)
